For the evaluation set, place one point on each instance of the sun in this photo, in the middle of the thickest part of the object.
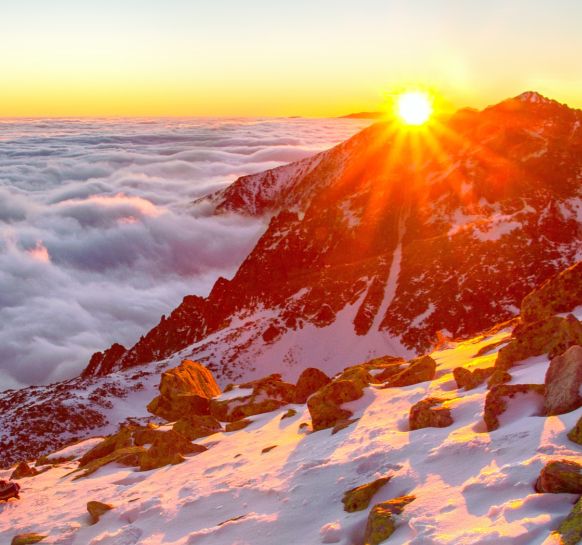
(414, 107)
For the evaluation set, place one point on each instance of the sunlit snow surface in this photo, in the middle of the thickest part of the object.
(98, 239)
(472, 486)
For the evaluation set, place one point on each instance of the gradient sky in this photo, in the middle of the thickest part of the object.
(269, 58)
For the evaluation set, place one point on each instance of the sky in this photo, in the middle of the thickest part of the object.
(272, 58)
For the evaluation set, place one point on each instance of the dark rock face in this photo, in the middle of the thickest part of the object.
(429, 413)
(499, 396)
(382, 519)
(324, 406)
(560, 476)
(419, 370)
(563, 381)
(309, 382)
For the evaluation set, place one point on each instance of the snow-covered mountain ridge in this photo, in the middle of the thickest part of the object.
(373, 247)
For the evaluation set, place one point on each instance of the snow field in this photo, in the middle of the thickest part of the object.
(472, 487)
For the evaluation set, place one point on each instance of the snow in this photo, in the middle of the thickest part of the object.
(471, 486)
(75, 451)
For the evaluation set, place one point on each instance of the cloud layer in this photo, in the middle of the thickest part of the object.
(98, 239)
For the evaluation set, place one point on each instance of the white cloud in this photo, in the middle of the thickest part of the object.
(99, 239)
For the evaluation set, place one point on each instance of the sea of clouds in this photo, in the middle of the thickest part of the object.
(99, 238)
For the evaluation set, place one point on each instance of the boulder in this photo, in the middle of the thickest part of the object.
(194, 427)
(324, 406)
(428, 413)
(499, 377)
(133, 459)
(115, 456)
(560, 293)
(146, 435)
(419, 370)
(529, 340)
(26, 539)
(96, 509)
(342, 425)
(498, 396)
(387, 365)
(178, 459)
(289, 414)
(382, 519)
(569, 334)
(23, 470)
(560, 476)
(165, 447)
(563, 381)
(186, 389)
(359, 375)
(239, 425)
(570, 531)
(471, 379)
(575, 435)
(122, 439)
(309, 382)
(357, 499)
(268, 394)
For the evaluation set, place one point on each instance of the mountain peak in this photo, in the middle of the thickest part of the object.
(533, 96)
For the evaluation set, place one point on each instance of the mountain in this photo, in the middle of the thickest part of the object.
(386, 244)
(364, 115)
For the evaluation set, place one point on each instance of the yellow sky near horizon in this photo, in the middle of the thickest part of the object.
(259, 58)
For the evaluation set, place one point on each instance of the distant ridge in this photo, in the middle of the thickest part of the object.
(364, 115)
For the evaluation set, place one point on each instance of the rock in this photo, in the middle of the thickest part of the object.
(268, 394)
(165, 447)
(122, 439)
(115, 456)
(496, 400)
(133, 459)
(499, 377)
(560, 476)
(23, 470)
(428, 414)
(342, 425)
(570, 531)
(569, 334)
(560, 293)
(529, 340)
(289, 414)
(324, 406)
(267, 449)
(240, 425)
(97, 509)
(382, 519)
(389, 371)
(178, 459)
(186, 389)
(419, 370)
(194, 427)
(471, 379)
(383, 362)
(145, 436)
(359, 376)
(576, 434)
(357, 499)
(310, 380)
(490, 347)
(563, 381)
(26, 539)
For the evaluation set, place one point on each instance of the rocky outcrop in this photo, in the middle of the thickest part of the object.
(419, 370)
(23, 470)
(325, 406)
(570, 530)
(186, 389)
(27, 539)
(164, 449)
(382, 519)
(310, 380)
(429, 413)
(358, 499)
(569, 334)
(128, 453)
(498, 398)
(471, 379)
(146, 435)
(529, 340)
(238, 425)
(559, 293)
(96, 509)
(122, 439)
(194, 427)
(268, 394)
(560, 476)
(563, 381)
